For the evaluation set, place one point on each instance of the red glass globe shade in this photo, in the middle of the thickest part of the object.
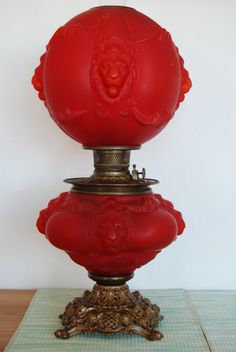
(111, 76)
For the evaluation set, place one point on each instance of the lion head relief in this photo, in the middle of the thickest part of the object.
(113, 69)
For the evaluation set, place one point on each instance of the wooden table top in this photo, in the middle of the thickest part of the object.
(13, 304)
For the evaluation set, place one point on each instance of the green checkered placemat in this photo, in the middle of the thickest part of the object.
(216, 311)
(181, 329)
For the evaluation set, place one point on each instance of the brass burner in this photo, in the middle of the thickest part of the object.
(111, 174)
(110, 310)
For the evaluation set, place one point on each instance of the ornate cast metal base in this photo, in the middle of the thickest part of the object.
(110, 310)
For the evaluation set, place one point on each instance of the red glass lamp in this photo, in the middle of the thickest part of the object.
(111, 79)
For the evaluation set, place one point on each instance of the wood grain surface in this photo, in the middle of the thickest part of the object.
(13, 304)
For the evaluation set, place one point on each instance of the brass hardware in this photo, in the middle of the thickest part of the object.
(110, 281)
(110, 310)
(111, 174)
(85, 185)
(135, 173)
(112, 147)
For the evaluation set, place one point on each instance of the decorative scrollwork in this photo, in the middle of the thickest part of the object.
(110, 310)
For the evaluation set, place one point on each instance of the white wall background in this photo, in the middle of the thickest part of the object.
(194, 157)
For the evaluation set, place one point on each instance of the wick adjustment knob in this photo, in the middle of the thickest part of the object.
(135, 173)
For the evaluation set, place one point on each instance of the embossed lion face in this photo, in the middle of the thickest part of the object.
(113, 68)
(114, 71)
(113, 234)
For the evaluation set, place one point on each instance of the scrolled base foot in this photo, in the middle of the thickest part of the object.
(62, 334)
(111, 310)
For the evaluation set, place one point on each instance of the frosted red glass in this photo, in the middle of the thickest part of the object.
(111, 76)
(110, 235)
